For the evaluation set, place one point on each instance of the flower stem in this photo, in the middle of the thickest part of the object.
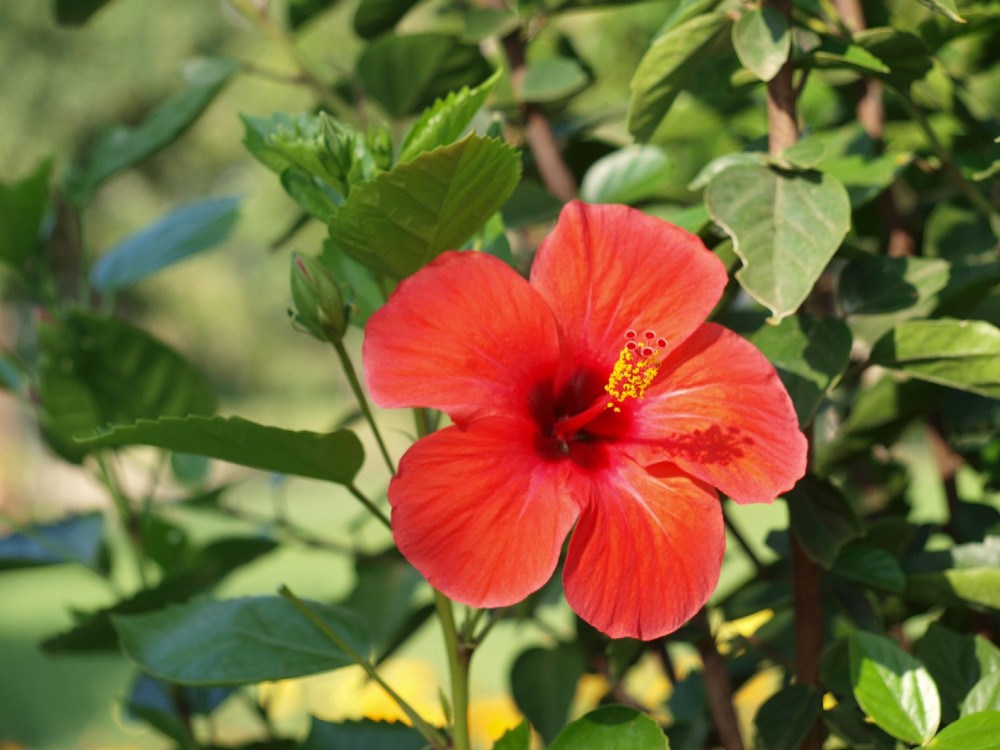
(126, 516)
(372, 508)
(458, 663)
(359, 394)
(429, 733)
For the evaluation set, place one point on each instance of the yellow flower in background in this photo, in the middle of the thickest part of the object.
(744, 627)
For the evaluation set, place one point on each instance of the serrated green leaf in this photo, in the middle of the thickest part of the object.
(543, 683)
(762, 41)
(628, 175)
(785, 228)
(74, 539)
(973, 732)
(893, 688)
(123, 147)
(810, 355)
(363, 735)
(611, 728)
(821, 519)
(518, 738)
(872, 567)
(405, 73)
(404, 218)
(333, 457)
(945, 8)
(963, 354)
(182, 233)
(237, 641)
(375, 16)
(785, 719)
(442, 123)
(23, 205)
(552, 78)
(667, 69)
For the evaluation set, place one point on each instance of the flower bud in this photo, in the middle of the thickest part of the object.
(318, 302)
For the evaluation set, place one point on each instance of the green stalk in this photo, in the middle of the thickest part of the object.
(359, 394)
(126, 515)
(458, 664)
(429, 733)
(372, 508)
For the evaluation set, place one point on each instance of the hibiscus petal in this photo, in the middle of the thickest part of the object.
(646, 553)
(465, 335)
(607, 269)
(480, 514)
(718, 410)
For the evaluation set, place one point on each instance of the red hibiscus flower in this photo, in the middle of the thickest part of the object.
(593, 399)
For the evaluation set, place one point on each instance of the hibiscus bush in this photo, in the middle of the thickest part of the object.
(669, 376)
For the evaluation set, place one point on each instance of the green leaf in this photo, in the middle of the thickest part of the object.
(611, 728)
(836, 53)
(945, 8)
(804, 154)
(442, 123)
(810, 355)
(362, 292)
(23, 205)
(479, 23)
(785, 228)
(963, 354)
(405, 73)
(74, 539)
(903, 52)
(333, 457)
(667, 68)
(957, 662)
(822, 519)
(404, 218)
(785, 719)
(188, 230)
(872, 567)
(375, 16)
(122, 147)
(628, 175)
(551, 79)
(237, 641)
(518, 738)
(866, 176)
(77, 12)
(973, 732)
(893, 688)
(363, 735)
(984, 696)
(162, 705)
(301, 12)
(99, 371)
(762, 41)
(724, 162)
(877, 293)
(969, 585)
(543, 683)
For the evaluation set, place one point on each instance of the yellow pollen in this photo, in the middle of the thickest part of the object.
(635, 369)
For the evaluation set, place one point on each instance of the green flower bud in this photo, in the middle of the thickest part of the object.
(319, 305)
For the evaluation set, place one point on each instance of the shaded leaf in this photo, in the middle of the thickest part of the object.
(518, 738)
(404, 218)
(628, 175)
(543, 683)
(77, 12)
(870, 566)
(73, 539)
(168, 707)
(611, 728)
(973, 732)
(837, 53)
(237, 641)
(667, 69)
(762, 41)
(366, 734)
(970, 585)
(903, 52)
(946, 8)
(866, 176)
(785, 228)
(122, 146)
(375, 16)
(956, 661)
(184, 232)
(785, 719)
(963, 354)
(23, 205)
(332, 457)
(552, 78)
(301, 12)
(893, 688)
(822, 519)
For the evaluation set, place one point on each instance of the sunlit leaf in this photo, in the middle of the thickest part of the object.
(957, 586)
(629, 175)
(611, 728)
(973, 732)
(957, 662)
(762, 41)
(984, 695)
(518, 738)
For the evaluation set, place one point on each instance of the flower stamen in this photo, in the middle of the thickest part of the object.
(635, 369)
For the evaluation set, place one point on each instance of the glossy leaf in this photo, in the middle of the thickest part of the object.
(543, 682)
(74, 539)
(611, 728)
(443, 123)
(810, 355)
(785, 227)
(870, 566)
(122, 147)
(893, 688)
(822, 519)
(237, 641)
(367, 734)
(957, 662)
(518, 738)
(973, 732)
(101, 371)
(667, 69)
(963, 354)
(629, 175)
(984, 696)
(404, 218)
(23, 205)
(333, 457)
(184, 232)
(762, 41)
(785, 719)
(375, 16)
(552, 78)
(405, 73)
(969, 585)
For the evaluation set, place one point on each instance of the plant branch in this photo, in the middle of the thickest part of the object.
(359, 394)
(459, 656)
(720, 696)
(371, 507)
(126, 515)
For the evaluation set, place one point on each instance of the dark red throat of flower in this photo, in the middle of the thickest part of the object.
(632, 374)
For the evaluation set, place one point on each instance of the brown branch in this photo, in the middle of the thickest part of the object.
(717, 688)
(782, 124)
